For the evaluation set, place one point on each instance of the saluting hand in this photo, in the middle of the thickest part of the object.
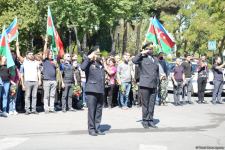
(144, 52)
(91, 56)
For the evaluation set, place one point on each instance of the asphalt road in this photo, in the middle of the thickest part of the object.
(188, 127)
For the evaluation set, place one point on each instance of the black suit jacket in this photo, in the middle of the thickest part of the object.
(149, 70)
(95, 76)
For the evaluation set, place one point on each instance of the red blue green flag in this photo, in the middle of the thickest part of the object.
(56, 44)
(159, 36)
(4, 49)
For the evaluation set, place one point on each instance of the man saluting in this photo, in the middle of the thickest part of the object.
(149, 78)
(95, 80)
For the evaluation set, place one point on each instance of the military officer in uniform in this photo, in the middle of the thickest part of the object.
(95, 80)
(149, 78)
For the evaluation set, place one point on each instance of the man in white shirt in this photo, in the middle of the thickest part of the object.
(32, 78)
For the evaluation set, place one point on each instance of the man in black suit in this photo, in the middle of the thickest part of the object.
(95, 80)
(149, 78)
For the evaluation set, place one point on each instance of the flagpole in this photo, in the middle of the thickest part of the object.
(3, 29)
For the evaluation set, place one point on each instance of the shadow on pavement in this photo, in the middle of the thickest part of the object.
(216, 120)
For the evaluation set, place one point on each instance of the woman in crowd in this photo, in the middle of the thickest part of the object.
(111, 71)
(202, 79)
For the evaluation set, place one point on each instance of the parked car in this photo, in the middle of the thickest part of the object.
(209, 85)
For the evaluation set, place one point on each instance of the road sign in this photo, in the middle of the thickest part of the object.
(212, 45)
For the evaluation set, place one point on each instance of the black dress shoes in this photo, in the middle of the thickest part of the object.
(27, 112)
(219, 102)
(151, 124)
(145, 125)
(93, 133)
(35, 112)
(98, 132)
(204, 102)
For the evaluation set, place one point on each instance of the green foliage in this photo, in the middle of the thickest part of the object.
(191, 23)
(196, 23)
(79, 58)
(105, 53)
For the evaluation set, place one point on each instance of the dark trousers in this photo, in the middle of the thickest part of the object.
(148, 97)
(67, 96)
(202, 81)
(218, 88)
(95, 104)
(177, 91)
(110, 95)
(136, 97)
(20, 102)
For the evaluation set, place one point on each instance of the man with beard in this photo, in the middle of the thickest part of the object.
(149, 78)
(32, 79)
(95, 80)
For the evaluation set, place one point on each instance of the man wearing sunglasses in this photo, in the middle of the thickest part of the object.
(149, 78)
(67, 71)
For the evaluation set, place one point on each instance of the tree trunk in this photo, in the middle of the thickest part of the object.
(221, 45)
(70, 43)
(138, 39)
(185, 46)
(84, 43)
(77, 40)
(125, 37)
(113, 34)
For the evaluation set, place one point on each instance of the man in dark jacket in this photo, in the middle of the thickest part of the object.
(67, 71)
(218, 79)
(149, 78)
(95, 80)
(187, 88)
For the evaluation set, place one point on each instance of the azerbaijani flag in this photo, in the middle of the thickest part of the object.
(12, 31)
(151, 34)
(56, 44)
(157, 31)
(4, 49)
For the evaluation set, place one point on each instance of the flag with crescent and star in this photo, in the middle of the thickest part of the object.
(159, 36)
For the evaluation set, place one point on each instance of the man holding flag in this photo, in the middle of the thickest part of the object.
(6, 63)
(50, 64)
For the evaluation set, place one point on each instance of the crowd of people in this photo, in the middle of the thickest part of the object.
(65, 85)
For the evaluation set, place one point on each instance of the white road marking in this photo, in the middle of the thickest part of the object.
(152, 147)
(11, 142)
